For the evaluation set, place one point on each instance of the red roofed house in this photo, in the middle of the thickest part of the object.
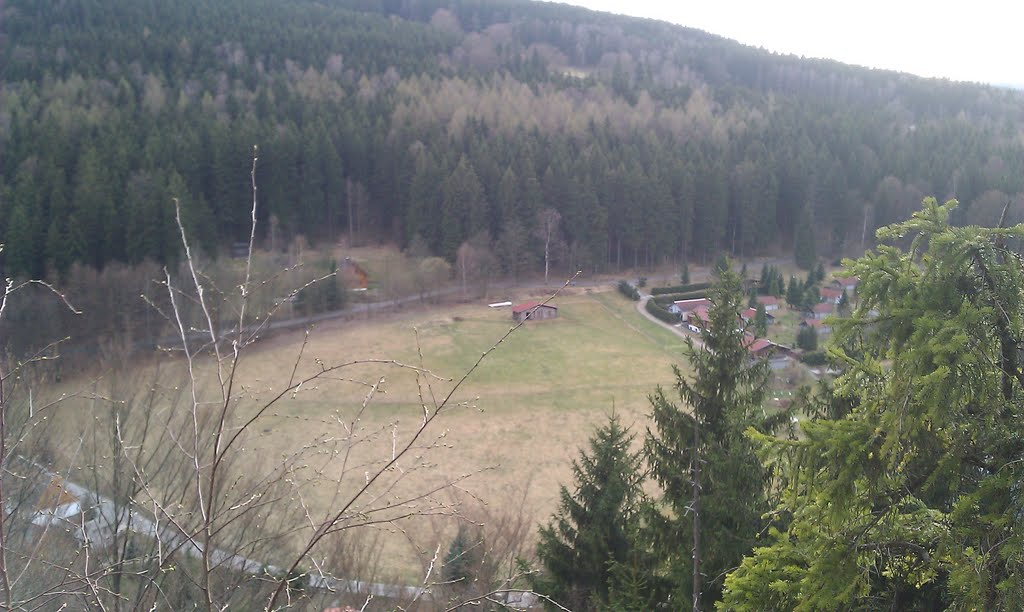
(757, 347)
(762, 348)
(831, 295)
(847, 282)
(750, 314)
(771, 303)
(820, 311)
(697, 318)
(682, 307)
(533, 311)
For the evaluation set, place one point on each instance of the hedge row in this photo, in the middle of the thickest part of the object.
(665, 300)
(661, 313)
(680, 288)
(629, 291)
(814, 358)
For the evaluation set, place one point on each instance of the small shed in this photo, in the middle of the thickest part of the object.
(533, 311)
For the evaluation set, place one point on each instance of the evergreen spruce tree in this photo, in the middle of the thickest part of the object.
(844, 303)
(807, 338)
(594, 527)
(803, 243)
(24, 237)
(685, 275)
(722, 265)
(904, 489)
(333, 297)
(713, 486)
(761, 321)
(795, 293)
(463, 556)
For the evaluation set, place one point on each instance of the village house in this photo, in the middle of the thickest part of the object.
(533, 311)
(750, 314)
(770, 302)
(848, 283)
(777, 355)
(681, 307)
(831, 295)
(820, 311)
(697, 319)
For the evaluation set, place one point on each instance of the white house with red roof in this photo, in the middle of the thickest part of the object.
(825, 309)
(750, 314)
(697, 318)
(681, 307)
(849, 283)
(831, 295)
(770, 302)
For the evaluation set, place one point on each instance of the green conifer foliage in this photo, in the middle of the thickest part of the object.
(909, 496)
(594, 526)
(706, 443)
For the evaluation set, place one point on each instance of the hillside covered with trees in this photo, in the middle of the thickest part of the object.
(434, 123)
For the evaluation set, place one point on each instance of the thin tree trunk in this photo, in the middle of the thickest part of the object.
(351, 239)
(696, 515)
(864, 230)
(547, 258)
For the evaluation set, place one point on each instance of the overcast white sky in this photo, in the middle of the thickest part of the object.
(972, 40)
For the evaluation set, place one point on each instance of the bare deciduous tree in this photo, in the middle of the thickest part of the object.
(171, 490)
(547, 230)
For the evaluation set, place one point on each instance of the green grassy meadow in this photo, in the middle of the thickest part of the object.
(514, 425)
(522, 414)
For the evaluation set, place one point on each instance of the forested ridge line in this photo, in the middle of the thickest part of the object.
(445, 122)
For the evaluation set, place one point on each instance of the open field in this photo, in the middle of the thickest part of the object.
(516, 423)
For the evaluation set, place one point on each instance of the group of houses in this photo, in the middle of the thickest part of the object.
(829, 301)
(694, 314)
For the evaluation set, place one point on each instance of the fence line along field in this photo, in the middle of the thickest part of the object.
(515, 425)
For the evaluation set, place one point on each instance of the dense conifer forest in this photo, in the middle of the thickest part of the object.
(531, 138)
(437, 122)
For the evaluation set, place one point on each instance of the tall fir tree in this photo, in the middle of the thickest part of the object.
(904, 489)
(594, 527)
(804, 251)
(761, 321)
(713, 486)
(794, 293)
(464, 207)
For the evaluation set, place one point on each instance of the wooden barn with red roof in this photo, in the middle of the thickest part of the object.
(533, 311)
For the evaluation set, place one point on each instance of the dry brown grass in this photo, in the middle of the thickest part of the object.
(516, 423)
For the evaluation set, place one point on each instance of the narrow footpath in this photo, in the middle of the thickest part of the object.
(641, 307)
